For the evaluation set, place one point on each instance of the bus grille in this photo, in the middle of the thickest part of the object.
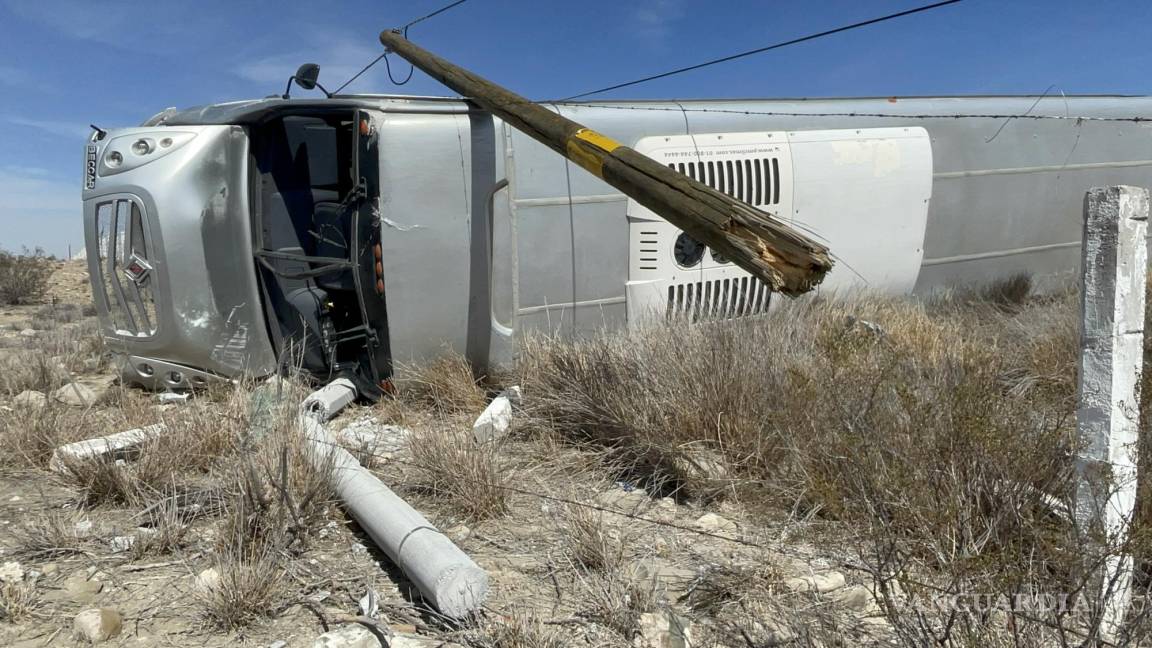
(126, 273)
(718, 298)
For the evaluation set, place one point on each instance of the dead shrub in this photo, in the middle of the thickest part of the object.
(517, 631)
(470, 478)
(446, 383)
(616, 601)
(166, 533)
(51, 535)
(280, 496)
(589, 541)
(18, 601)
(24, 276)
(252, 586)
(943, 429)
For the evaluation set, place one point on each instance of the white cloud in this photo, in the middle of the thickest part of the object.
(66, 129)
(654, 20)
(338, 56)
(39, 210)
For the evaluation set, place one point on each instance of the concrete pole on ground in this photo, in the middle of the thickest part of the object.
(445, 576)
(1114, 267)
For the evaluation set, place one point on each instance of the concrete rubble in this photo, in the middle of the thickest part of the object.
(97, 625)
(84, 393)
(664, 629)
(712, 523)
(496, 420)
(326, 402)
(115, 445)
(820, 583)
(30, 399)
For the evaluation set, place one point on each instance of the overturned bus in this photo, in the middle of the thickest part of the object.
(349, 233)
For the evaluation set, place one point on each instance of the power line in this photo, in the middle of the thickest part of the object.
(878, 115)
(434, 13)
(404, 29)
(794, 41)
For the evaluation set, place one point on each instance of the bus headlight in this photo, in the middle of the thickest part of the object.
(143, 148)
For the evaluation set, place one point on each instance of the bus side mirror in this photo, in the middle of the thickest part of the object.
(307, 75)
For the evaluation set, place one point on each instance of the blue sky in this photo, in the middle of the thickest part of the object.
(67, 63)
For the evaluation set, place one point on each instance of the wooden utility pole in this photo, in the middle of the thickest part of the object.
(783, 258)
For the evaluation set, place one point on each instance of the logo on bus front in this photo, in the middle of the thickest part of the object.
(90, 167)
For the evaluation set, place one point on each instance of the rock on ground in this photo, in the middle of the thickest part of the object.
(349, 636)
(664, 630)
(97, 624)
(206, 581)
(82, 393)
(11, 572)
(824, 582)
(30, 399)
(712, 523)
(494, 422)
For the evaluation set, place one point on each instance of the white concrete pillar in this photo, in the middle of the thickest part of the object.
(1114, 266)
(445, 576)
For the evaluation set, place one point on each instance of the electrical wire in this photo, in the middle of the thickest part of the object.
(878, 115)
(404, 29)
(794, 41)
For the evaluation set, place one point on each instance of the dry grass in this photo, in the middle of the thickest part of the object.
(446, 383)
(252, 586)
(518, 631)
(469, 478)
(616, 601)
(590, 542)
(76, 348)
(18, 601)
(51, 535)
(938, 430)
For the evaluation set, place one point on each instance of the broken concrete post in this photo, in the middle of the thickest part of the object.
(329, 400)
(115, 445)
(445, 576)
(496, 419)
(1114, 267)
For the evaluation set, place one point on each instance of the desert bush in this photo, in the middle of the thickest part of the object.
(516, 630)
(943, 431)
(446, 383)
(24, 277)
(448, 464)
(252, 585)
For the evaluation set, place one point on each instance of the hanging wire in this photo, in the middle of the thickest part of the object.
(411, 69)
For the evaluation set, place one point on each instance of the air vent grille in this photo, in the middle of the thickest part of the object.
(649, 250)
(718, 299)
(755, 181)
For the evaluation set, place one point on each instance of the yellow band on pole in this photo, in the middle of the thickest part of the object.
(600, 141)
(578, 150)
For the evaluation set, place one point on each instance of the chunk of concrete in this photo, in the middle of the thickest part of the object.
(326, 402)
(30, 399)
(712, 523)
(11, 572)
(83, 393)
(97, 625)
(494, 422)
(664, 629)
(349, 636)
(114, 446)
(820, 583)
